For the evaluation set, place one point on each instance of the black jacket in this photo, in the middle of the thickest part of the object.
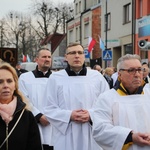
(109, 81)
(25, 135)
(20, 71)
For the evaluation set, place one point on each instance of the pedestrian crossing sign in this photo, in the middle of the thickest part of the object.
(107, 55)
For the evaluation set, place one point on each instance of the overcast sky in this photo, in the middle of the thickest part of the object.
(18, 5)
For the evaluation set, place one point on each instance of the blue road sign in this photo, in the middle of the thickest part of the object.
(87, 54)
(107, 55)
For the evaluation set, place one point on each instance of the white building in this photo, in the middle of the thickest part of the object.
(119, 27)
(82, 25)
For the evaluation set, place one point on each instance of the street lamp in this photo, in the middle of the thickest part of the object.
(15, 30)
(106, 25)
(22, 29)
(106, 28)
(18, 28)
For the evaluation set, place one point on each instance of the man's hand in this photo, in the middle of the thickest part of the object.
(80, 116)
(141, 139)
(43, 121)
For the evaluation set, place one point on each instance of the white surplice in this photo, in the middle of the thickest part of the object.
(66, 93)
(34, 88)
(115, 116)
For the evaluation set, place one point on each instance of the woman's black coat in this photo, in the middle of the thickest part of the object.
(26, 134)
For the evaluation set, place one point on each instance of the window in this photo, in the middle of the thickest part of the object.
(77, 34)
(127, 13)
(140, 8)
(99, 1)
(80, 7)
(86, 30)
(70, 36)
(148, 4)
(84, 6)
(76, 8)
(107, 22)
(95, 2)
(128, 49)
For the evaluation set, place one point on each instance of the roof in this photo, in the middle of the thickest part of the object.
(54, 39)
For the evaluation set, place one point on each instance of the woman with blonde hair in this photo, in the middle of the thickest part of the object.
(107, 75)
(18, 128)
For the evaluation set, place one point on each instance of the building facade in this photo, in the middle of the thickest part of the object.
(86, 23)
(121, 24)
(117, 28)
(142, 27)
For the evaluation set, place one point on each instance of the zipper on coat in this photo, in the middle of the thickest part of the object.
(6, 136)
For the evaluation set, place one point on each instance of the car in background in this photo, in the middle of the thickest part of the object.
(29, 66)
(59, 62)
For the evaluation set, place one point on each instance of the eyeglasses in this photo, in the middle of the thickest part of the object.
(132, 71)
(75, 52)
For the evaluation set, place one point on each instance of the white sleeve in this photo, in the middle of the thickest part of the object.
(58, 117)
(23, 89)
(105, 133)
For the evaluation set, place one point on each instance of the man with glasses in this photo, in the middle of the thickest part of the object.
(70, 94)
(121, 117)
(146, 72)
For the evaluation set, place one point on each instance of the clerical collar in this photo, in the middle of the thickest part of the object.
(77, 73)
(39, 74)
(82, 72)
(44, 72)
(122, 91)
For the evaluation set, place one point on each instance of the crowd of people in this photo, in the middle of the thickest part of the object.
(76, 108)
(109, 73)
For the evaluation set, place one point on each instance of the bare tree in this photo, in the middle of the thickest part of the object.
(63, 13)
(43, 10)
(13, 28)
(51, 18)
(19, 33)
(26, 32)
(2, 33)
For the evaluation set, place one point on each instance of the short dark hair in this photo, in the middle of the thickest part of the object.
(74, 44)
(18, 63)
(94, 67)
(144, 63)
(38, 51)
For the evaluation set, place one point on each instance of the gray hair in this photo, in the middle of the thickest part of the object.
(120, 63)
